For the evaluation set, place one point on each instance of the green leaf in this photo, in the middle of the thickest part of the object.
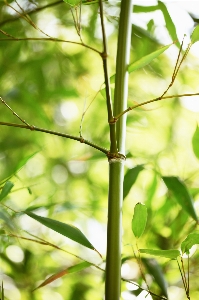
(142, 62)
(191, 239)
(156, 271)
(6, 189)
(195, 35)
(173, 254)
(130, 178)
(169, 22)
(73, 269)
(69, 231)
(195, 142)
(181, 194)
(139, 219)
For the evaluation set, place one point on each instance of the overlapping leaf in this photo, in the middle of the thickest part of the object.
(191, 239)
(195, 35)
(69, 231)
(75, 268)
(130, 178)
(6, 190)
(195, 142)
(173, 254)
(142, 62)
(181, 194)
(155, 270)
(139, 219)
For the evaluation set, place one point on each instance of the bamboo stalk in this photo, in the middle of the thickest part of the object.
(116, 165)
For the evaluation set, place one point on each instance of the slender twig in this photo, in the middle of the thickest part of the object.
(14, 39)
(188, 277)
(104, 55)
(64, 135)
(29, 12)
(150, 101)
(182, 276)
(139, 261)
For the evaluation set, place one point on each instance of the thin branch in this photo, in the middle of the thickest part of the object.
(30, 12)
(150, 101)
(14, 39)
(68, 136)
(104, 55)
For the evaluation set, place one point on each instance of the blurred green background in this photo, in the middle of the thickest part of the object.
(50, 85)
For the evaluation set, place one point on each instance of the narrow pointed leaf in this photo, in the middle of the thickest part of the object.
(73, 269)
(195, 35)
(181, 194)
(191, 239)
(155, 270)
(147, 59)
(69, 231)
(195, 142)
(130, 178)
(173, 254)
(169, 22)
(139, 219)
(6, 189)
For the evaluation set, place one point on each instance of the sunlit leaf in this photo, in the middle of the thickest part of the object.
(6, 189)
(191, 239)
(181, 194)
(130, 178)
(142, 62)
(155, 270)
(139, 219)
(169, 22)
(162, 253)
(73, 269)
(195, 35)
(195, 142)
(69, 231)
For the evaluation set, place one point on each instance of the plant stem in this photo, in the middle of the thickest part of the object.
(116, 165)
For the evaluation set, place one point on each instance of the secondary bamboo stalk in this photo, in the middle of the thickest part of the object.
(116, 165)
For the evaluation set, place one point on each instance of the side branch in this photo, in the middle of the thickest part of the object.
(30, 12)
(115, 119)
(14, 39)
(104, 55)
(68, 136)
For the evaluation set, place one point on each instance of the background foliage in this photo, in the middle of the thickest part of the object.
(50, 84)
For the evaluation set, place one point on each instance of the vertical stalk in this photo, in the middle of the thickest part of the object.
(116, 165)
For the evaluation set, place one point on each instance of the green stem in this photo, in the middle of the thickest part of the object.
(116, 165)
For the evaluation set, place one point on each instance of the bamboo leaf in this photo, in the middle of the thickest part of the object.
(195, 35)
(73, 269)
(155, 270)
(195, 142)
(181, 194)
(169, 22)
(139, 219)
(173, 254)
(69, 231)
(147, 59)
(130, 178)
(6, 189)
(191, 239)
